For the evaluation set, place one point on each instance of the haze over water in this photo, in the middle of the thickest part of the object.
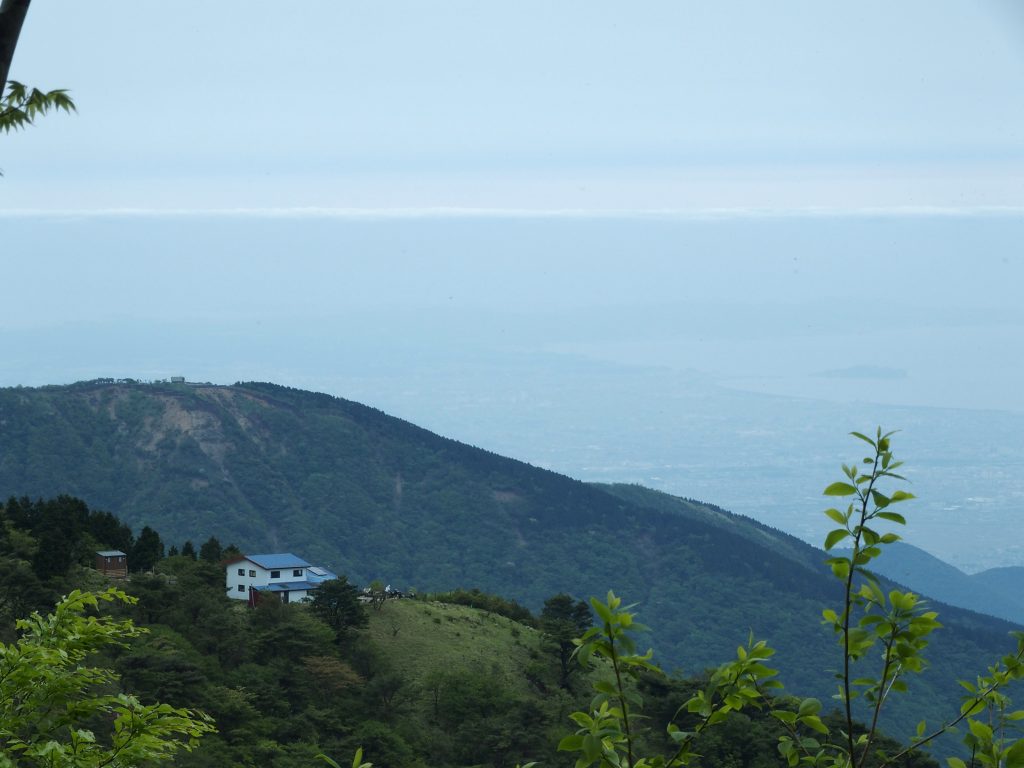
(719, 358)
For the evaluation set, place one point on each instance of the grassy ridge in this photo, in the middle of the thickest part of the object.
(430, 636)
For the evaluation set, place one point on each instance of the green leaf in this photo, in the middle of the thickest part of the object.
(809, 707)
(602, 610)
(894, 517)
(591, 747)
(839, 489)
(834, 537)
(1014, 756)
(840, 567)
(893, 475)
(784, 716)
(814, 722)
(980, 730)
(865, 438)
(572, 743)
(836, 515)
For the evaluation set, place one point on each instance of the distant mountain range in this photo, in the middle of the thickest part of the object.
(276, 469)
(997, 591)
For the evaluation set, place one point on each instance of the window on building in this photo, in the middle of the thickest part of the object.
(297, 572)
(275, 574)
(241, 587)
(252, 574)
(241, 571)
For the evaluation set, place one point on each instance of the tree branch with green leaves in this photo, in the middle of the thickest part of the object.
(606, 736)
(897, 624)
(21, 105)
(49, 692)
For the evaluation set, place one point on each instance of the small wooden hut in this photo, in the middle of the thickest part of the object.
(112, 563)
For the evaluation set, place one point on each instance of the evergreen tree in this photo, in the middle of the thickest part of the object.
(562, 620)
(109, 532)
(211, 551)
(188, 550)
(147, 551)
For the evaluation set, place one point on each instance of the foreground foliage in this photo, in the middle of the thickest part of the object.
(882, 639)
(52, 703)
(21, 105)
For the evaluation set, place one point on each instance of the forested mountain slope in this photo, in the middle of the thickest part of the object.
(272, 468)
(698, 511)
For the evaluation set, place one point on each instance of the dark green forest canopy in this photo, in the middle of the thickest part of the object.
(462, 678)
(278, 469)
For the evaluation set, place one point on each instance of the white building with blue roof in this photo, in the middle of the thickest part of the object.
(286, 575)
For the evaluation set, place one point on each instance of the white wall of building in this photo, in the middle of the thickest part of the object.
(242, 574)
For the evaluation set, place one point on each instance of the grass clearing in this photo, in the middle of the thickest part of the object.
(421, 636)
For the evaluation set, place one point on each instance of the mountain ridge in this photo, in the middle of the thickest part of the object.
(270, 468)
(995, 591)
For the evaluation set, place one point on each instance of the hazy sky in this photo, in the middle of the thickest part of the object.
(801, 164)
(465, 104)
(776, 303)
(533, 225)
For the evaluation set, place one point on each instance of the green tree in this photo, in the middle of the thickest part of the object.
(148, 550)
(285, 632)
(51, 700)
(188, 550)
(109, 532)
(562, 621)
(20, 589)
(337, 604)
(211, 550)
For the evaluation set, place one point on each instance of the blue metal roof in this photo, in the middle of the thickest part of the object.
(286, 586)
(318, 575)
(282, 560)
(111, 553)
